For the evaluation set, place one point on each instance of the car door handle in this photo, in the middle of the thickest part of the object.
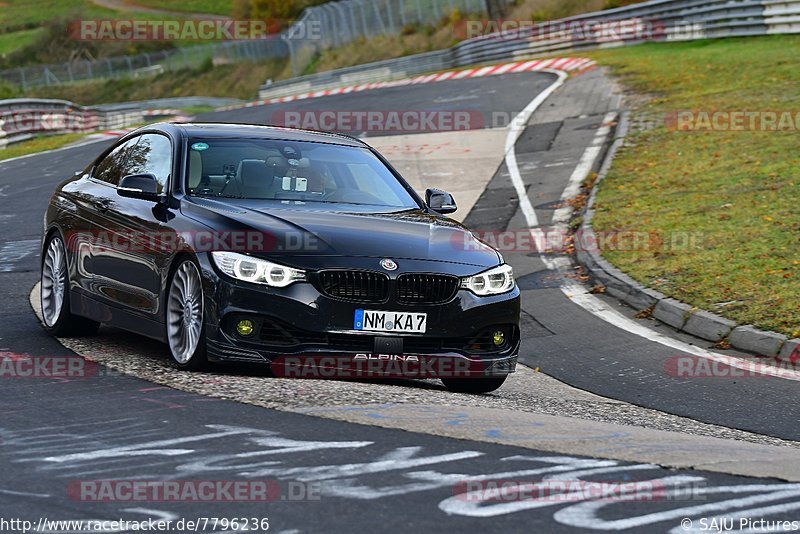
(104, 205)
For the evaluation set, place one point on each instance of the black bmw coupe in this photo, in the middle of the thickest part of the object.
(303, 250)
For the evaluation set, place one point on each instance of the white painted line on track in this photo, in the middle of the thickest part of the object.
(576, 292)
(518, 125)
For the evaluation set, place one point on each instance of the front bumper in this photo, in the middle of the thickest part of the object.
(302, 332)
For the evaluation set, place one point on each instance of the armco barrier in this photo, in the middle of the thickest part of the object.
(675, 20)
(22, 118)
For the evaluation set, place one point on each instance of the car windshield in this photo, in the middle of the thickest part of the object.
(292, 172)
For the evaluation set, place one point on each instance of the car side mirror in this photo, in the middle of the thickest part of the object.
(440, 201)
(141, 186)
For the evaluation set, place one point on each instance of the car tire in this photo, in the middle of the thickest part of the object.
(185, 317)
(57, 318)
(474, 385)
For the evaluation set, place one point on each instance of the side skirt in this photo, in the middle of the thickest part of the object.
(88, 307)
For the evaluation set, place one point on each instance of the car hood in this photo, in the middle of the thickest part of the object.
(306, 231)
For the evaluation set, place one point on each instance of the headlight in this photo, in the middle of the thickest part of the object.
(255, 270)
(492, 282)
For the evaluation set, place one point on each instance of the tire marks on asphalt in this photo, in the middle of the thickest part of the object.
(452, 483)
(12, 253)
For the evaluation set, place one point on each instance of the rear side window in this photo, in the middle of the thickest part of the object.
(151, 155)
(114, 166)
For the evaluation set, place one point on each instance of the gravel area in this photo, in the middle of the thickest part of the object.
(527, 390)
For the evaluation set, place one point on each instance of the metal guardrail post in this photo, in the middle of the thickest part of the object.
(326, 22)
(292, 55)
(390, 15)
(378, 17)
(364, 32)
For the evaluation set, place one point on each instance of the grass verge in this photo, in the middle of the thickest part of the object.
(242, 80)
(40, 144)
(238, 80)
(735, 192)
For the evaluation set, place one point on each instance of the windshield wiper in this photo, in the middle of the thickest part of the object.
(216, 196)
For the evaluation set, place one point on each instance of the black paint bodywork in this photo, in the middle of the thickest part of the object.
(123, 285)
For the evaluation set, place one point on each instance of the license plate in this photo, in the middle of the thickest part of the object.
(390, 321)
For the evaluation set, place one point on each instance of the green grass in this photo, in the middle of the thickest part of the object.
(242, 80)
(738, 191)
(11, 41)
(20, 19)
(212, 7)
(39, 144)
(237, 80)
(27, 14)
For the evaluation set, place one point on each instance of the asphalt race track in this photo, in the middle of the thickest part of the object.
(337, 476)
(564, 341)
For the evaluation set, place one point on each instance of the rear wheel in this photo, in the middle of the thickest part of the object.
(54, 294)
(474, 385)
(185, 320)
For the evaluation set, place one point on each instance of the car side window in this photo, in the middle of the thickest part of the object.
(152, 155)
(114, 166)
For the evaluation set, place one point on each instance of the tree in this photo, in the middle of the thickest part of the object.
(240, 9)
(273, 9)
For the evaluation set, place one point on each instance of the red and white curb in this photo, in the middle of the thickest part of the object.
(108, 134)
(562, 64)
(161, 112)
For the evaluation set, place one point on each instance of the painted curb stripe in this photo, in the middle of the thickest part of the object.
(565, 64)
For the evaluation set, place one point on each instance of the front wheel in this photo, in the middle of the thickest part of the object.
(54, 294)
(185, 319)
(474, 385)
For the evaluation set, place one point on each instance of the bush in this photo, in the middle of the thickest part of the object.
(205, 66)
(8, 91)
(611, 4)
(55, 45)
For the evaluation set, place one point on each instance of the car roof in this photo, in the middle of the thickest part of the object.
(233, 131)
